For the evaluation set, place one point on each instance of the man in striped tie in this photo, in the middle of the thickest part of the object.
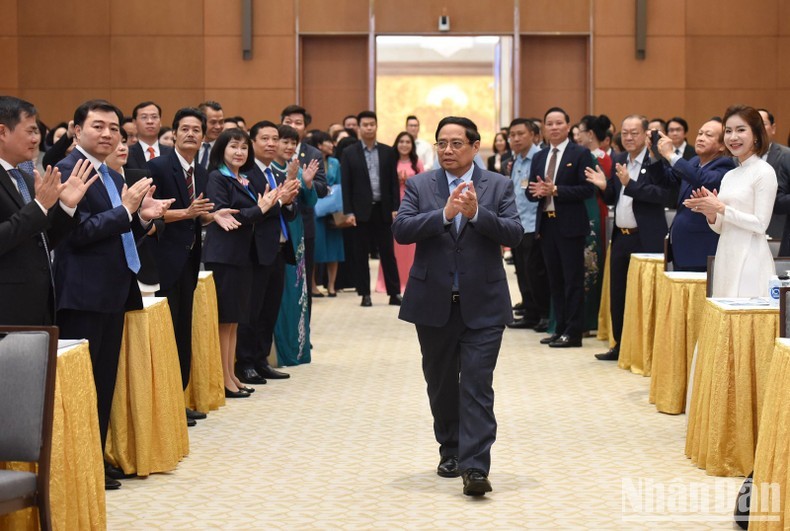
(35, 214)
(97, 263)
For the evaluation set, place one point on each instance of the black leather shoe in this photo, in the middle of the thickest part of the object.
(542, 326)
(251, 376)
(316, 294)
(518, 306)
(110, 483)
(246, 389)
(396, 300)
(366, 301)
(549, 339)
(565, 341)
(609, 355)
(522, 323)
(113, 472)
(195, 415)
(236, 394)
(270, 373)
(191, 422)
(476, 483)
(448, 467)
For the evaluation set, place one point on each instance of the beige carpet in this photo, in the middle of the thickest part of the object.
(347, 443)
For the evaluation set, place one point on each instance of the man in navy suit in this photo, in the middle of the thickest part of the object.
(147, 118)
(272, 252)
(97, 263)
(459, 216)
(691, 240)
(35, 214)
(371, 197)
(778, 157)
(177, 176)
(558, 183)
(638, 191)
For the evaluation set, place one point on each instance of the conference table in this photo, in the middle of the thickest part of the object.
(206, 389)
(680, 300)
(76, 468)
(636, 343)
(148, 431)
(734, 352)
(770, 507)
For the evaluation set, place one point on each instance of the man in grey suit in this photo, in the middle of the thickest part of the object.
(778, 156)
(458, 296)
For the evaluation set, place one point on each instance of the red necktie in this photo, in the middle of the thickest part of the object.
(151, 152)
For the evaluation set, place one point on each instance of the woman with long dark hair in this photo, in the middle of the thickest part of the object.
(229, 254)
(502, 154)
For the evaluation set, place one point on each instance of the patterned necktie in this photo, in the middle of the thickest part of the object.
(151, 152)
(550, 176)
(127, 239)
(272, 185)
(204, 155)
(190, 184)
(27, 166)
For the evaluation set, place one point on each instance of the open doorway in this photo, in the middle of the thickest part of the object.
(433, 77)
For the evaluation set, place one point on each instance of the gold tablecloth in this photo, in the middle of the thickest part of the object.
(734, 351)
(680, 299)
(604, 332)
(639, 322)
(148, 431)
(76, 469)
(773, 447)
(206, 389)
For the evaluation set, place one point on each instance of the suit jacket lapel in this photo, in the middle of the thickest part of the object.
(5, 181)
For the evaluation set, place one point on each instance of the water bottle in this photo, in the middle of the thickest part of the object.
(773, 290)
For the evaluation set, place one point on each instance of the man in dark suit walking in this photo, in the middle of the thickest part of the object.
(371, 198)
(147, 117)
(35, 214)
(272, 252)
(638, 192)
(97, 263)
(459, 216)
(177, 176)
(558, 183)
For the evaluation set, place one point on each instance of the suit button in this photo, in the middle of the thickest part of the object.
(458, 250)
(40, 243)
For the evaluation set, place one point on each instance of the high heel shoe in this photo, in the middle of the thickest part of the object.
(236, 394)
(331, 294)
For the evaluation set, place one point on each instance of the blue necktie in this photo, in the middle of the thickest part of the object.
(21, 184)
(457, 219)
(127, 239)
(204, 157)
(272, 185)
(27, 166)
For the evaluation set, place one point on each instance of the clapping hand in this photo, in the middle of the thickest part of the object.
(151, 208)
(622, 173)
(541, 188)
(467, 201)
(225, 219)
(268, 198)
(308, 173)
(49, 187)
(77, 184)
(201, 205)
(705, 202)
(596, 177)
(288, 191)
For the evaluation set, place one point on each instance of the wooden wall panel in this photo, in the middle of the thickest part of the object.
(617, 17)
(616, 65)
(783, 61)
(272, 65)
(154, 17)
(334, 77)
(269, 17)
(254, 105)
(554, 72)
(731, 62)
(58, 105)
(422, 16)
(338, 16)
(9, 61)
(10, 23)
(66, 17)
(64, 62)
(733, 17)
(618, 103)
(572, 16)
(165, 62)
(703, 104)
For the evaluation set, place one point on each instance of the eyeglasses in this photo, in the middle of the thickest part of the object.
(455, 145)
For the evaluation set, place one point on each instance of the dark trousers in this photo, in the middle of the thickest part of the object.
(458, 364)
(531, 275)
(180, 298)
(623, 245)
(381, 232)
(103, 332)
(564, 257)
(254, 338)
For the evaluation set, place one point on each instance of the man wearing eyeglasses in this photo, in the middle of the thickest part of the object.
(459, 216)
